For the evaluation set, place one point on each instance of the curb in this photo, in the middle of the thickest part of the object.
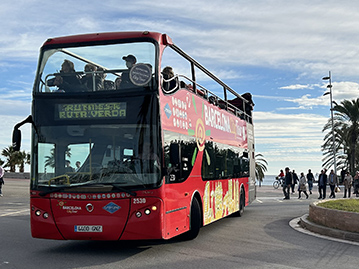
(326, 231)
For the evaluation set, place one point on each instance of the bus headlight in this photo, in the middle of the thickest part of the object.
(45, 215)
(37, 212)
(147, 211)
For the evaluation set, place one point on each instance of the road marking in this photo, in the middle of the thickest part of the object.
(15, 213)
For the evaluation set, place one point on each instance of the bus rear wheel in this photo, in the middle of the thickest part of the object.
(241, 204)
(195, 221)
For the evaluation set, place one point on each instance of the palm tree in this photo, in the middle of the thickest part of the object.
(11, 158)
(261, 167)
(23, 158)
(346, 132)
(342, 145)
(50, 160)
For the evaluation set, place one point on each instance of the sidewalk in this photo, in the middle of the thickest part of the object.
(303, 224)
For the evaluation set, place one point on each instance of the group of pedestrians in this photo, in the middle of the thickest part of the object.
(290, 179)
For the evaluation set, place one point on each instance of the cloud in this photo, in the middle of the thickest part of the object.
(276, 35)
(293, 139)
(340, 91)
(297, 87)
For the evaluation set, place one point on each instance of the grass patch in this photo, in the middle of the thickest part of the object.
(350, 205)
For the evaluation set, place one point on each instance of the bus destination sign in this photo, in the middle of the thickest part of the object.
(91, 111)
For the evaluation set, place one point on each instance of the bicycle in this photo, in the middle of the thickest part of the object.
(278, 182)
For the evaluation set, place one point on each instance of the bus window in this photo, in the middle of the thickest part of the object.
(181, 69)
(65, 69)
(180, 155)
(222, 161)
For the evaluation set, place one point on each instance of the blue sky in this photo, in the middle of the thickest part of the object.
(277, 50)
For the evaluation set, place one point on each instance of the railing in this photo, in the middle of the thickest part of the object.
(211, 97)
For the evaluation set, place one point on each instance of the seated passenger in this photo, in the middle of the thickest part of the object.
(107, 84)
(87, 80)
(169, 82)
(125, 77)
(68, 80)
(246, 107)
(68, 167)
(118, 82)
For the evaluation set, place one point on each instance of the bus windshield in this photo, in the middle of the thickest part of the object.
(96, 68)
(124, 155)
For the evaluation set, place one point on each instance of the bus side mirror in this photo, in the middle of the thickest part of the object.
(174, 154)
(16, 139)
(16, 134)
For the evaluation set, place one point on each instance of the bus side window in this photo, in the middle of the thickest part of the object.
(179, 157)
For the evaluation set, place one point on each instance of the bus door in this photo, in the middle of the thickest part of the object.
(179, 155)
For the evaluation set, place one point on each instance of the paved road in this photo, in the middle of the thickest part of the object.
(262, 238)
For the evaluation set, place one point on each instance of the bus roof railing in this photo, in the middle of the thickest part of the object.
(220, 82)
(223, 104)
(207, 72)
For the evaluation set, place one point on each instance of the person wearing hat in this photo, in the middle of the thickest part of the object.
(130, 60)
(125, 77)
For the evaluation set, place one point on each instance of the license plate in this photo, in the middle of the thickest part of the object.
(88, 229)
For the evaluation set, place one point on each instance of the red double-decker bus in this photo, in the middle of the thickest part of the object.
(134, 139)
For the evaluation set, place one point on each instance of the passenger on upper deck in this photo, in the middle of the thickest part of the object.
(107, 84)
(68, 81)
(88, 79)
(118, 82)
(248, 106)
(125, 78)
(169, 82)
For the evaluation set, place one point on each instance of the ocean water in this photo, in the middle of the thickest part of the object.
(267, 180)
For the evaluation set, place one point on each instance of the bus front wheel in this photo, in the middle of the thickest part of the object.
(195, 221)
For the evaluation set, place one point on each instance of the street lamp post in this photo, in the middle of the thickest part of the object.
(332, 117)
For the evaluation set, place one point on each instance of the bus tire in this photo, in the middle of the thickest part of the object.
(195, 221)
(242, 198)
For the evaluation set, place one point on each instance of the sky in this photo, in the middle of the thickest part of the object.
(275, 49)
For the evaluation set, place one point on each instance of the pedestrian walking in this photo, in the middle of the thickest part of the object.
(356, 183)
(287, 183)
(348, 180)
(295, 180)
(310, 180)
(322, 184)
(2, 172)
(302, 186)
(333, 182)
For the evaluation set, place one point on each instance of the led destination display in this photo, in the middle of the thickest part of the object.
(91, 111)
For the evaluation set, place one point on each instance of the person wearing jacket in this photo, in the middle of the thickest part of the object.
(2, 172)
(287, 184)
(302, 185)
(348, 181)
(333, 182)
(322, 184)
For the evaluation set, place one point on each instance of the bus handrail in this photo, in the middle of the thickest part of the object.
(228, 106)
